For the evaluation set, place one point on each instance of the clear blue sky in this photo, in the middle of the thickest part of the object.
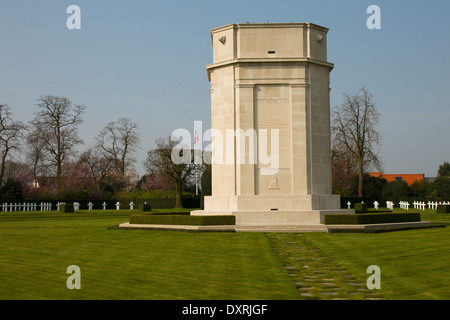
(146, 60)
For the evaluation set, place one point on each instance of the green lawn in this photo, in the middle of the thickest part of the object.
(133, 264)
(414, 264)
(37, 248)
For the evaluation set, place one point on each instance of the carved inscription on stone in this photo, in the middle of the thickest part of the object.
(273, 113)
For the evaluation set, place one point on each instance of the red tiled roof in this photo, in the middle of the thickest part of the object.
(409, 178)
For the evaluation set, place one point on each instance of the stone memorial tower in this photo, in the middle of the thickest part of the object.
(270, 121)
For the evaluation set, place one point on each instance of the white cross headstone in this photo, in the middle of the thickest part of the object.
(349, 204)
(390, 205)
(376, 204)
(131, 205)
(90, 205)
(404, 205)
(118, 205)
(104, 205)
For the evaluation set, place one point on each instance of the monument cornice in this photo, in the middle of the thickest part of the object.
(269, 25)
(246, 62)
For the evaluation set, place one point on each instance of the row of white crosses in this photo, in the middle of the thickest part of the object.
(131, 205)
(375, 204)
(104, 205)
(406, 204)
(419, 205)
(47, 206)
(434, 204)
(44, 206)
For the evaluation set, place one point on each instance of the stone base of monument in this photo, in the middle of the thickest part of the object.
(272, 202)
(272, 210)
(275, 217)
(304, 227)
(218, 228)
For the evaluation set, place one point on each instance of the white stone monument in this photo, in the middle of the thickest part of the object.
(270, 121)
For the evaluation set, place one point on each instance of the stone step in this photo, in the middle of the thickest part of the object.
(281, 228)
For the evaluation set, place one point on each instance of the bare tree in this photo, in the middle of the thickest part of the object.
(118, 141)
(159, 161)
(56, 126)
(98, 165)
(36, 157)
(11, 134)
(354, 132)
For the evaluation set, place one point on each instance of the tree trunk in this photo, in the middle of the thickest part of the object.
(2, 170)
(58, 170)
(178, 203)
(361, 181)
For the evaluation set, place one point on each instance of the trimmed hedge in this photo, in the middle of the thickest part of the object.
(156, 213)
(66, 207)
(182, 220)
(167, 203)
(361, 207)
(145, 207)
(443, 208)
(371, 218)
